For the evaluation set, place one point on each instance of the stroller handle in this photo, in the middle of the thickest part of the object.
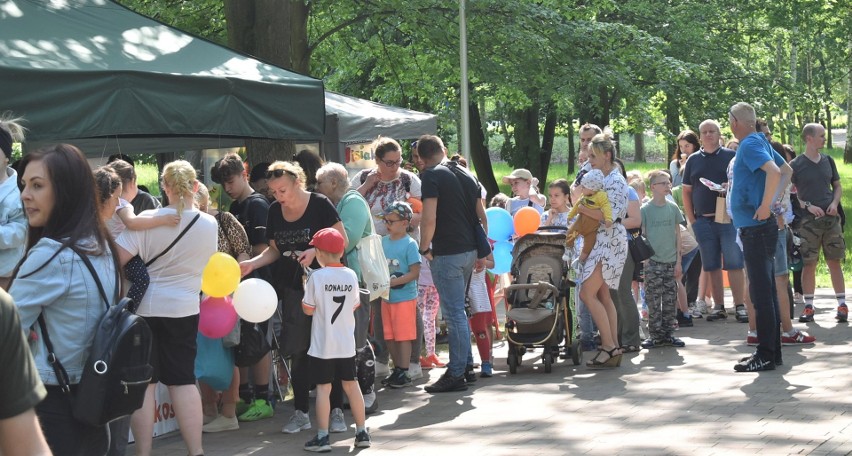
(553, 228)
(541, 289)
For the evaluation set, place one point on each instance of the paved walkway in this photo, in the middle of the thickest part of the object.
(663, 401)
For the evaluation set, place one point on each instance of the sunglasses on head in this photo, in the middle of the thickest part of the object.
(275, 173)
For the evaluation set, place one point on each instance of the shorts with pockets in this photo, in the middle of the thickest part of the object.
(173, 349)
(822, 232)
(400, 320)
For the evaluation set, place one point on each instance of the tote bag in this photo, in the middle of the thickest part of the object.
(374, 266)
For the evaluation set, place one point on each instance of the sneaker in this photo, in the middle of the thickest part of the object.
(221, 423)
(337, 423)
(701, 305)
(415, 371)
(717, 314)
(318, 445)
(382, 369)
(751, 339)
(400, 380)
(371, 403)
(842, 314)
(807, 315)
(695, 312)
(486, 371)
(242, 406)
(754, 363)
(649, 343)
(362, 440)
(298, 422)
(798, 299)
(469, 374)
(393, 374)
(684, 321)
(675, 342)
(447, 383)
(796, 337)
(260, 409)
(742, 314)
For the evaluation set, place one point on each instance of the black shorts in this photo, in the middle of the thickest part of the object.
(324, 371)
(173, 349)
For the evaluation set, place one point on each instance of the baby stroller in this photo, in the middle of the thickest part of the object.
(539, 309)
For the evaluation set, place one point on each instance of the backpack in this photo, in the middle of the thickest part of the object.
(118, 370)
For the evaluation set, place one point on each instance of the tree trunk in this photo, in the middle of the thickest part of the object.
(547, 140)
(527, 145)
(672, 124)
(479, 152)
(639, 147)
(274, 31)
(572, 154)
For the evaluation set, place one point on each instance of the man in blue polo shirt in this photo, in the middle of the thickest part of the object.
(717, 239)
(759, 175)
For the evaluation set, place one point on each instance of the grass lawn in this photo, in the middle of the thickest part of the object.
(558, 170)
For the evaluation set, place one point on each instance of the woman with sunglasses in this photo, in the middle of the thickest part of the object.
(382, 186)
(293, 219)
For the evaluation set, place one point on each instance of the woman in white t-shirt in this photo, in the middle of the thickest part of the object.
(171, 305)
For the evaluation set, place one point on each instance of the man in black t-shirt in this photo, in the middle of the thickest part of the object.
(251, 210)
(448, 242)
(20, 387)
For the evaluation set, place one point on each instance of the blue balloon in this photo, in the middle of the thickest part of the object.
(501, 227)
(502, 257)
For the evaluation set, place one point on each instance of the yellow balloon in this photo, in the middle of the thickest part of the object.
(221, 275)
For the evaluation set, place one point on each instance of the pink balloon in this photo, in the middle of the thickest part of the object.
(217, 317)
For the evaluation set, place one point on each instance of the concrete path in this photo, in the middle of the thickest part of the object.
(662, 401)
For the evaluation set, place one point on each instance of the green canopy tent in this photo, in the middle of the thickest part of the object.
(95, 74)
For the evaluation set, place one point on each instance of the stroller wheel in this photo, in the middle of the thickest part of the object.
(547, 357)
(576, 352)
(513, 361)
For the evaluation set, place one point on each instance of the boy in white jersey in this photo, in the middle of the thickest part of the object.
(331, 296)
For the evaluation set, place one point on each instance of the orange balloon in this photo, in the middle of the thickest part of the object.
(526, 221)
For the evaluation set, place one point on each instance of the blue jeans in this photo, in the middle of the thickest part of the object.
(587, 325)
(717, 241)
(759, 244)
(450, 274)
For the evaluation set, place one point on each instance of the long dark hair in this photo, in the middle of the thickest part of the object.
(74, 216)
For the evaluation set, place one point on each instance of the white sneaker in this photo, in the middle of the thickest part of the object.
(298, 422)
(798, 299)
(337, 423)
(701, 305)
(415, 371)
(382, 369)
(222, 423)
(696, 313)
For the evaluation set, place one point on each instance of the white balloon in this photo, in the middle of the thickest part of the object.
(255, 300)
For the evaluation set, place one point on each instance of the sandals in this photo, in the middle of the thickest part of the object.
(629, 349)
(614, 359)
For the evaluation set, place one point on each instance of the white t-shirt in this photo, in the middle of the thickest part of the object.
(478, 293)
(175, 276)
(114, 224)
(333, 293)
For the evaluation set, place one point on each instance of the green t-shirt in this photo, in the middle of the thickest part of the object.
(660, 225)
(20, 386)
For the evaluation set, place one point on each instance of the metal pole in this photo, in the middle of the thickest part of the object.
(464, 134)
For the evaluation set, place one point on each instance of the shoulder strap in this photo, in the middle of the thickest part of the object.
(152, 260)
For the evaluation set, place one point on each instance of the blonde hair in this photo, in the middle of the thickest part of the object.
(12, 125)
(180, 177)
(202, 195)
(635, 180)
(603, 143)
(291, 170)
(657, 173)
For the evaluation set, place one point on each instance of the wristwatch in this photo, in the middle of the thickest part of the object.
(425, 252)
(807, 204)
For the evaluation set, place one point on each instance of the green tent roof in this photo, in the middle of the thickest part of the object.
(94, 69)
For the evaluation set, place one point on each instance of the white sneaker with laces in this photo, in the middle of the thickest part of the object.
(382, 369)
(337, 423)
(298, 422)
(701, 305)
(415, 371)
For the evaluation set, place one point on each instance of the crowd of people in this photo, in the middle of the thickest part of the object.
(747, 207)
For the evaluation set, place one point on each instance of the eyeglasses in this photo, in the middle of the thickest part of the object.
(391, 222)
(275, 173)
(731, 113)
(662, 183)
(391, 163)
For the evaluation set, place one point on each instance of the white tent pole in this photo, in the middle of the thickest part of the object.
(464, 134)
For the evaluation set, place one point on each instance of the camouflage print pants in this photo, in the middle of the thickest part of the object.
(661, 297)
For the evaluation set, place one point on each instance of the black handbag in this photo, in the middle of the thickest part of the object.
(253, 345)
(640, 248)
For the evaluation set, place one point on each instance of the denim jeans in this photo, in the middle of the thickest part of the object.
(587, 325)
(450, 274)
(759, 244)
(718, 244)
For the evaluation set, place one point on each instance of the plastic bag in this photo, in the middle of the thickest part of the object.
(214, 364)
(374, 266)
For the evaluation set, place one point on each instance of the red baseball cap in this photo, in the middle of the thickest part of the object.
(328, 240)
